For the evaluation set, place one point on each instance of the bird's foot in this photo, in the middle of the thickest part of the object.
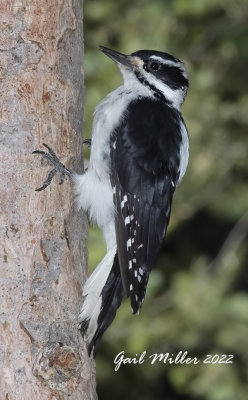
(58, 167)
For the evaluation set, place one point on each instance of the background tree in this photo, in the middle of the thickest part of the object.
(43, 254)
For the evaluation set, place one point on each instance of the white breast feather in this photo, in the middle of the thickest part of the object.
(184, 152)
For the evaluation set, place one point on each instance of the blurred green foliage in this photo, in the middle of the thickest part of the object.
(197, 297)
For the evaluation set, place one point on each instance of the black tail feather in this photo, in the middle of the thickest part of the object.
(112, 296)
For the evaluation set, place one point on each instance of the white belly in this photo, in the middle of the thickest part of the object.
(93, 189)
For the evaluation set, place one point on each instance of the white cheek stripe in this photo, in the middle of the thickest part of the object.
(176, 96)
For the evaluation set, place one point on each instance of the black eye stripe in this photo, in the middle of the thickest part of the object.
(172, 75)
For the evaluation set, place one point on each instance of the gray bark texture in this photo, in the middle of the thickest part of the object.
(43, 254)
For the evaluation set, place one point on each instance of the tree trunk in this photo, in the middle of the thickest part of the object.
(42, 248)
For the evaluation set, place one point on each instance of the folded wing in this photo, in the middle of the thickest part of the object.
(145, 151)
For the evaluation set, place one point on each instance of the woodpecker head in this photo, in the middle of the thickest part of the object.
(161, 73)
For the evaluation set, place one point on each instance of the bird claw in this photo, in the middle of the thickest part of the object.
(58, 167)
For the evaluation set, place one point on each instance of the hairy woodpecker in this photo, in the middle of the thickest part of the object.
(139, 154)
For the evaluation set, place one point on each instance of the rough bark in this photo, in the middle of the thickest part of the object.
(42, 247)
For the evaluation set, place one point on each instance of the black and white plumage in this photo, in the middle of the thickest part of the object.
(139, 154)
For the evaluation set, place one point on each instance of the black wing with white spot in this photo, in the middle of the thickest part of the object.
(145, 159)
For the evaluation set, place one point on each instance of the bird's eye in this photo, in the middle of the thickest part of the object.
(155, 66)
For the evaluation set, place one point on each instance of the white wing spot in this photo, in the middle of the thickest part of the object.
(127, 220)
(128, 243)
(130, 264)
(131, 287)
(123, 201)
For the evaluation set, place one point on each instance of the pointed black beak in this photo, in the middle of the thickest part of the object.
(116, 56)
